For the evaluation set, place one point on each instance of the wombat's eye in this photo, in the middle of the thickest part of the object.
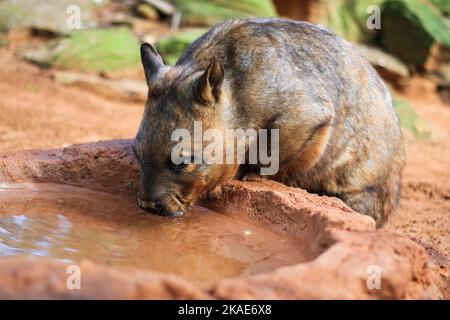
(178, 168)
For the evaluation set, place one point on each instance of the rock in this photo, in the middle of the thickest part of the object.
(125, 89)
(292, 210)
(126, 21)
(207, 13)
(401, 263)
(105, 166)
(411, 122)
(173, 46)
(410, 28)
(443, 84)
(389, 67)
(43, 56)
(46, 279)
(147, 11)
(438, 59)
(444, 77)
(166, 8)
(91, 50)
(347, 245)
(45, 15)
(162, 6)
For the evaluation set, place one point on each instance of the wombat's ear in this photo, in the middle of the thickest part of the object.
(152, 62)
(209, 85)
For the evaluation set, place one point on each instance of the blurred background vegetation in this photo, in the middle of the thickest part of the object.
(414, 38)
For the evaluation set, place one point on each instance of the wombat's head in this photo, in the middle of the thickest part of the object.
(177, 97)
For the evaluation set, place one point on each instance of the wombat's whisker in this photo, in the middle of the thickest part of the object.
(178, 200)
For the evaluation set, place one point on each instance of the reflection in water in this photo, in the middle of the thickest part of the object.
(55, 236)
(71, 224)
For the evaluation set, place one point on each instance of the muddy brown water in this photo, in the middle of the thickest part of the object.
(70, 224)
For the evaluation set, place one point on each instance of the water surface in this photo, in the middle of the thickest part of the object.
(71, 224)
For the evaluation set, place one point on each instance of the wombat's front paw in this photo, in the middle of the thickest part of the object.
(252, 176)
(216, 193)
(170, 209)
(172, 214)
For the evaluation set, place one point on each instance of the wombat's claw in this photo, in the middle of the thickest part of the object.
(171, 214)
(251, 176)
(177, 214)
(216, 192)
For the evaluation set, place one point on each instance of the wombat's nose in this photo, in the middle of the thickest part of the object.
(158, 208)
(149, 200)
(147, 195)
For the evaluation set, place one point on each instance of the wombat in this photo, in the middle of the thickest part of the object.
(339, 134)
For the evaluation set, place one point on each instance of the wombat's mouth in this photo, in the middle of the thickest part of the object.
(167, 210)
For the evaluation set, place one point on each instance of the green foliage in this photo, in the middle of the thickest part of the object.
(442, 5)
(348, 18)
(209, 12)
(410, 28)
(172, 47)
(98, 50)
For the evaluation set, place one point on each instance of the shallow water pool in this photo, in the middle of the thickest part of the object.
(71, 224)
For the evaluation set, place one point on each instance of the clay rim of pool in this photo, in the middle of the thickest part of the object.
(345, 245)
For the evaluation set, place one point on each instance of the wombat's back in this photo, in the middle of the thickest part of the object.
(339, 133)
(277, 60)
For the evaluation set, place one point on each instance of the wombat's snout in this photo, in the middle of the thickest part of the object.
(155, 205)
(147, 199)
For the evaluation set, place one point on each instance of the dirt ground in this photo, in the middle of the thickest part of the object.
(425, 206)
(36, 112)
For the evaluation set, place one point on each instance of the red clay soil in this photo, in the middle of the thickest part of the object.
(425, 206)
(346, 242)
(36, 112)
